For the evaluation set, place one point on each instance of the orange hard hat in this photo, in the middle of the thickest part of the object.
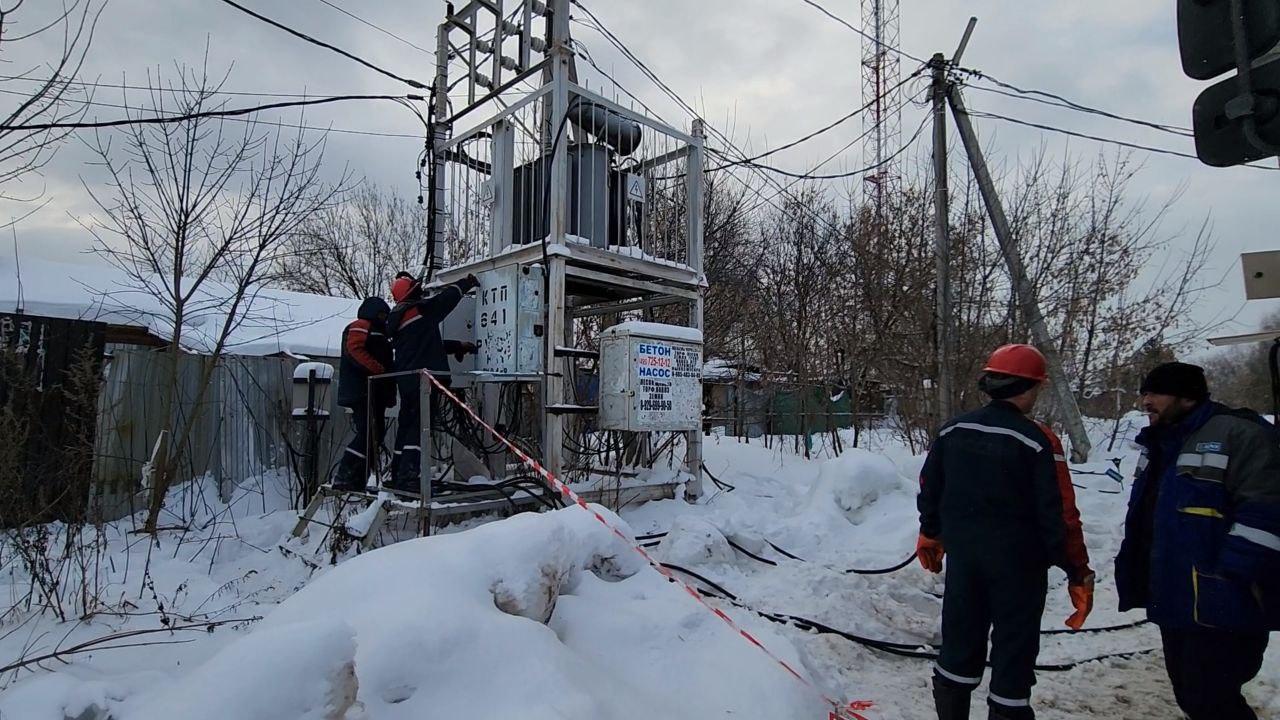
(402, 286)
(1022, 361)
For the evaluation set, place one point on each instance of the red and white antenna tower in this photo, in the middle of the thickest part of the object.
(883, 98)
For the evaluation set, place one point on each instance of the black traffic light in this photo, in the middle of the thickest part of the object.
(1236, 120)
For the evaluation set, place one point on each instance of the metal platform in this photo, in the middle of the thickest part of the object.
(452, 506)
(595, 275)
(444, 508)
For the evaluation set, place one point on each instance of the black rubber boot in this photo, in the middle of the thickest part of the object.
(351, 475)
(404, 484)
(951, 700)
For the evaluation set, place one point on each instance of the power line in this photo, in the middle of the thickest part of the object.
(586, 55)
(1052, 99)
(380, 29)
(818, 167)
(234, 112)
(626, 52)
(838, 176)
(863, 33)
(303, 36)
(1096, 138)
(170, 90)
(751, 160)
(768, 179)
(826, 128)
(374, 133)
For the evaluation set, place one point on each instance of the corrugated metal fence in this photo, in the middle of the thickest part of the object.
(243, 426)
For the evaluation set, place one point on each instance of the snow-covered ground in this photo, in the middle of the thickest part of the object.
(551, 616)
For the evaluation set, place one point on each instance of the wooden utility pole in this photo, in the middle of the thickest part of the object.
(1023, 290)
(942, 244)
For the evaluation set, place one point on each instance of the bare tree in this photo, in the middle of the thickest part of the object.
(354, 249)
(1240, 375)
(858, 301)
(196, 214)
(47, 92)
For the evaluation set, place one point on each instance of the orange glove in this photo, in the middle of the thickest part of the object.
(930, 552)
(1081, 599)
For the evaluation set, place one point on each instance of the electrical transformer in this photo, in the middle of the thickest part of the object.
(508, 320)
(650, 377)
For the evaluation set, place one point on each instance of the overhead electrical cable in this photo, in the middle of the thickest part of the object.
(627, 53)
(348, 131)
(863, 33)
(1049, 98)
(810, 175)
(169, 90)
(303, 36)
(833, 124)
(1060, 100)
(1096, 138)
(234, 112)
(379, 28)
(817, 167)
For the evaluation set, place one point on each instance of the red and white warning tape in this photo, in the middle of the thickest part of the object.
(839, 711)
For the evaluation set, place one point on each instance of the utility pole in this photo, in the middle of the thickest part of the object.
(1023, 290)
(557, 368)
(439, 129)
(944, 317)
(942, 244)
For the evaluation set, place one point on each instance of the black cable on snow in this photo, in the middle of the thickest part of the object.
(645, 540)
(910, 650)
(750, 554)
(851, 571)
(718, 482)
(724, 594)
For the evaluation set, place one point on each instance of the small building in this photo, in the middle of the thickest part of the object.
(54, 313)
(747, 400)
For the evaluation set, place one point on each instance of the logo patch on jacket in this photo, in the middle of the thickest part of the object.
(1210, 447)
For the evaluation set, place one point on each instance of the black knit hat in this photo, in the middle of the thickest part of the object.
(1002, 387)
(1177, 379)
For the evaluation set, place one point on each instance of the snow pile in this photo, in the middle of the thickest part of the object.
(693, 541)
(852, 484)
(551, 616)
(248, 680)
(538, 616)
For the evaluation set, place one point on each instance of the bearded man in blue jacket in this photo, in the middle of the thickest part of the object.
(1201, 550)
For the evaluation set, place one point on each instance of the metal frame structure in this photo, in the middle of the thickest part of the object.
(480, 173)
(883, 98)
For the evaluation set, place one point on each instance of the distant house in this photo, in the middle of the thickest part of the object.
(745, 399)
(49, 311)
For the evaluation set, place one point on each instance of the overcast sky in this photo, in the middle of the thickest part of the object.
(775, 69)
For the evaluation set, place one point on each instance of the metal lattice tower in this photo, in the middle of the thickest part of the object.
(883, 99)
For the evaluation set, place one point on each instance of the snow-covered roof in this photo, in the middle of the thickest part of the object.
(722, 369)
(274, 321)
(655, 330)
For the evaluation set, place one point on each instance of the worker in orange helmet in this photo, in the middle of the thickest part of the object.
(996, 498)
(414, 327)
